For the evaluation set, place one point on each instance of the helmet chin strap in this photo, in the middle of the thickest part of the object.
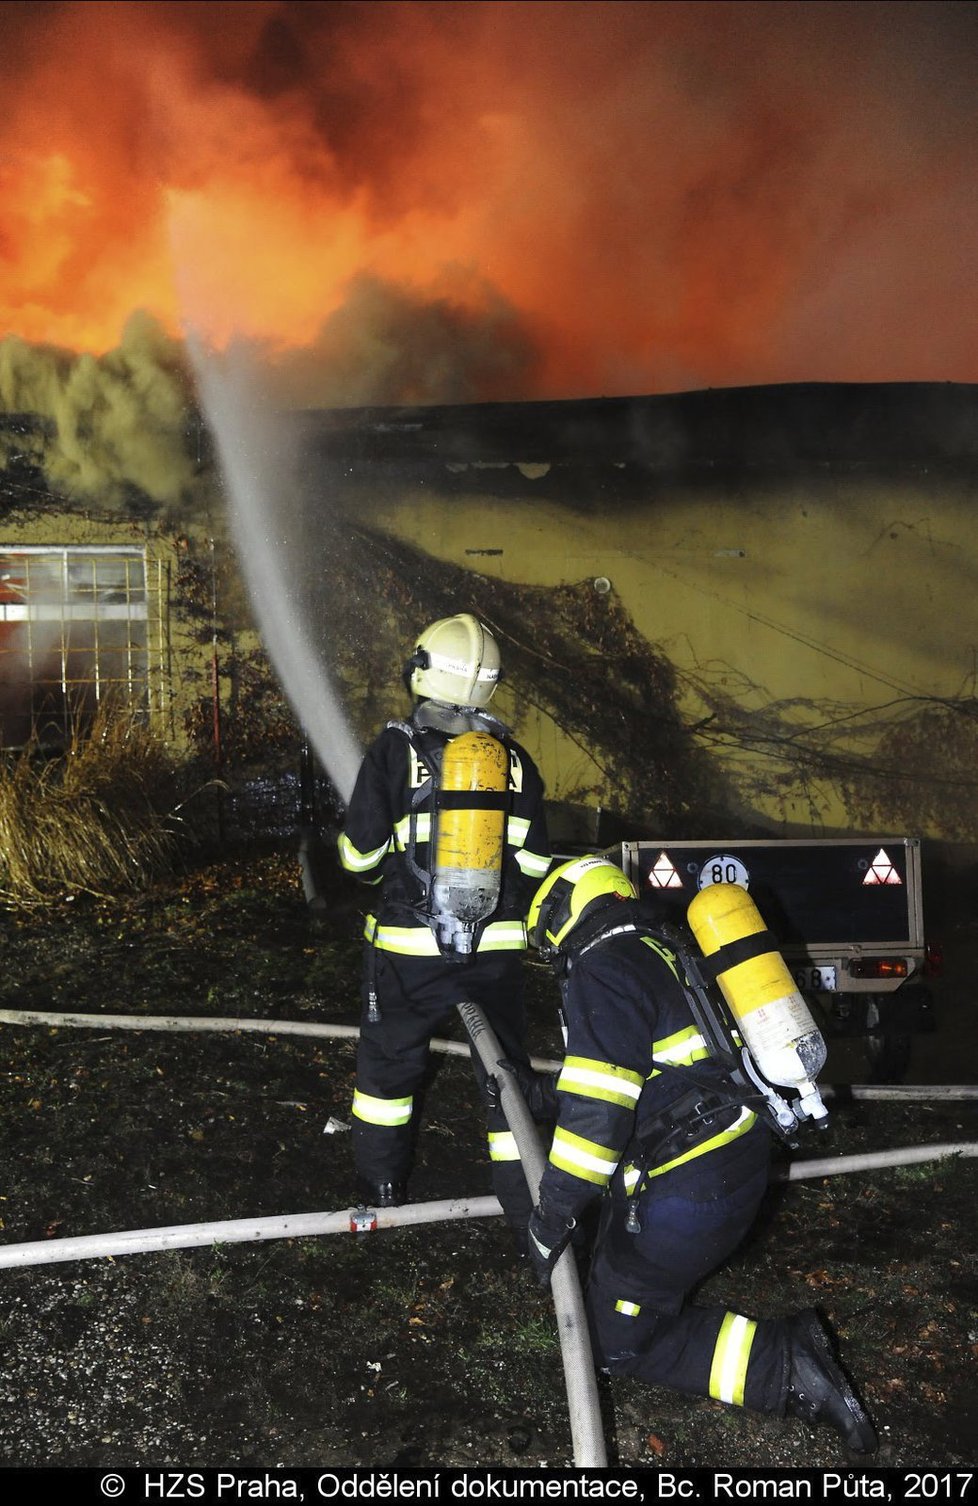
(420, 659)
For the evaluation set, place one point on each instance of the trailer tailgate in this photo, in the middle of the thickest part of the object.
(818, 896)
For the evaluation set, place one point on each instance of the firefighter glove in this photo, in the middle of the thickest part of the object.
(549, 1235)
(540, 1092)
(539, 1089)
(494, 1097)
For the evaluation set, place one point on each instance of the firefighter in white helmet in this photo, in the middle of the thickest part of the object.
(447, 819)
(651, 1122)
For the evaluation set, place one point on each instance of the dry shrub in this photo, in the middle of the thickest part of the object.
(97, 819)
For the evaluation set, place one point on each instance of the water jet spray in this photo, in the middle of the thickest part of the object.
(259, 472)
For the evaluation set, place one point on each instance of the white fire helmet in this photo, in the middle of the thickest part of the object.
(456, 663)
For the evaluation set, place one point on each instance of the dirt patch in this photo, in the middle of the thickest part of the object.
(411, 1346)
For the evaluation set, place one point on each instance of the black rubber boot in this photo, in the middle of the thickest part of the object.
(520, 1238)
(818, 1391)
(381, 1194)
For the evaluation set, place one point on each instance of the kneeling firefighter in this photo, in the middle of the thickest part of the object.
(655, 1117)
(447, 819)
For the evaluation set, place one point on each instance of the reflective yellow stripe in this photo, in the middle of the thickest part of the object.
(680, 1046)
(533, 864)
(582, 1158)
(603, 1080)
(630, 1309)
(419, 941)
(668, 957)
(517, 830)
(680, 1050)
(728, 1373)
(503, 1146)
(744, 1121)
(409, 941)
(402, 831)
(389, 1111)
(502, 936)
(740, 1126)
(355, 861)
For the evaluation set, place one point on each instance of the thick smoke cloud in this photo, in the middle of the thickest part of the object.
(384, 346)
(661, 196)
(115, 425)
(118, 427)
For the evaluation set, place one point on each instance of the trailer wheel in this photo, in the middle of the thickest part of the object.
(887, 1051)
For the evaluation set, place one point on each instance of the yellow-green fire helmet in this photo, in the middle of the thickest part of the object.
(568, 894)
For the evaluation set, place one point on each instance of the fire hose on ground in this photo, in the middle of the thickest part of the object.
(234, 1231)
(582, 1395)
(248, 1025)
(345, 1220)
(587, 1436)
(575, 1345)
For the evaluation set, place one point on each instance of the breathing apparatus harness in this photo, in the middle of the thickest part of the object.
(428, 748)
(426, 731)
(689, 1118)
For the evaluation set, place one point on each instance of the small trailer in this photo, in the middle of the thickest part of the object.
(847, 912)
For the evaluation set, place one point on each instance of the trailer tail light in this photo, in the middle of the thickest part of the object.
(879, 967)
(933, 959)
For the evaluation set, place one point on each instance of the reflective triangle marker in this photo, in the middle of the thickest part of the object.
(663, 874)
(882, 871)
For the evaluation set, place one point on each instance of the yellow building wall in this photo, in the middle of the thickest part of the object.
(834, 607)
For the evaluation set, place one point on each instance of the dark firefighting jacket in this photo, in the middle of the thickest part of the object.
(638, 1089)
(386, 838)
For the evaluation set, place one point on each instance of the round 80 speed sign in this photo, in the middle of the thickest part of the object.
(723, 869)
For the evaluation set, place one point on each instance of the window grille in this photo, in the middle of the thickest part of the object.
(79, 627)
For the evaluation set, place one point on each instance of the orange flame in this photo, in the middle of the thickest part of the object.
(639, 197)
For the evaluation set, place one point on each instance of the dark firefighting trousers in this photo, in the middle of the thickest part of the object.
(641, 1324)
(417, 998)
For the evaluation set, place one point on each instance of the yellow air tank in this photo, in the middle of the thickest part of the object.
(775, 1022)
(470, 837)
